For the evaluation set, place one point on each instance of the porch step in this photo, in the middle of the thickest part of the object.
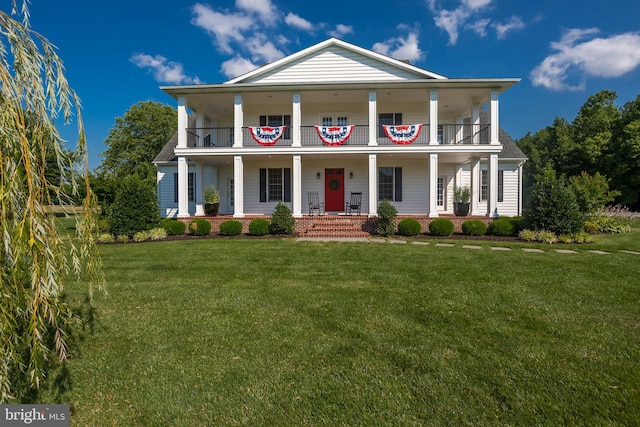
(333, 227)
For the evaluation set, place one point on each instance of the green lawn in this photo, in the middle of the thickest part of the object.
(278, 332)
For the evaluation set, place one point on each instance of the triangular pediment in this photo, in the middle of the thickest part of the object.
(334, 61)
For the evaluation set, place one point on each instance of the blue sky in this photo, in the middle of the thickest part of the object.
(119, 52)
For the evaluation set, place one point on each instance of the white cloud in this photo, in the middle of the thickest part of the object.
(264, 8)
(237, 66)
(340, 31)
(298, 22)
(224, 27)
(514, 23)
(262, 50)
(468, 15)
(164, 71)
(401, 48)
(598, 57)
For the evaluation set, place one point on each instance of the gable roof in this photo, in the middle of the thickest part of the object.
(339, 60)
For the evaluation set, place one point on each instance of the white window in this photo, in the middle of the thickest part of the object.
(441, 196)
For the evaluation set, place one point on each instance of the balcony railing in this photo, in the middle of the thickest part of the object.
(447, 134)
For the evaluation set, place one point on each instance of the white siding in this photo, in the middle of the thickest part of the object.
(335, 64)
(511, 179)
(166, 196)
(415, 185)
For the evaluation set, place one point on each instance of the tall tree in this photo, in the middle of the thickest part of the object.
(35, 262)
(136, 139)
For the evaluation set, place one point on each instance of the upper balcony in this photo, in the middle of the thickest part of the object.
(447, 134)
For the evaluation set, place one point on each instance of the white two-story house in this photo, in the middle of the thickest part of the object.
(334, 119)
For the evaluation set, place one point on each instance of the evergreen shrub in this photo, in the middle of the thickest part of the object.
(199, 227)
(259, 227)
(173, 227)
(409, 227)
(135, 208)
(441, 227)
(386, 217)
(474, 227)
(282, 222)
(502, 227)
(231, 227)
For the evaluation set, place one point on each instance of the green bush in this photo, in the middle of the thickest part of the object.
(502, 227)
(103, 226)
(141, 236)
(518, 224)
(259, 227)
(552, 206)
(409, 227)
(282, 222)
(474, 227)
(441, 227)
(591, 227)
(157, 233)
(122, 238)
(106, 238)
(386, 217)
(592, 192)
(173, 227)
(135, 208)
(199, 227)
(231, 227)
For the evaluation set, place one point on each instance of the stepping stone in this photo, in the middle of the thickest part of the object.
(378, 240)
(471, 247)
(600, 252)
(566, 251)
(396, 242)
(420, 243)
(631, 252)
(444, 245)
(500, 248)
(534, 250)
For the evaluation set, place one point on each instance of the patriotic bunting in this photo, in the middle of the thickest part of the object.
(402, 134)
(266, 135)
(334, 135)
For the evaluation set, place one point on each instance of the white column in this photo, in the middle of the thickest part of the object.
(296, 186)
(199, 189)
(433, 185)
(200, 129)
(460, 129)
(238, 187)
(492, 171)
(373, 119)
(433, 117)
(520, 195)
(475, 186)
(182, 122)
(475, 120)
(373, 185)
(238, 121)
(183, 190)
(495, 125)
(296, 122)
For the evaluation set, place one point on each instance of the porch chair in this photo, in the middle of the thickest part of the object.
(315, 205)
(354, 204)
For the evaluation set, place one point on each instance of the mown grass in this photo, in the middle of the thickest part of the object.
(279, 332)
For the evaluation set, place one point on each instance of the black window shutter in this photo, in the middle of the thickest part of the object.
(398, 184)
(287, 184)
(398, 119)
(263, 120)
(175, 188)
(500, 186)
(287, 123)
(192, 187)
(263, 185)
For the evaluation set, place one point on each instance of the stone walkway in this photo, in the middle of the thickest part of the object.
(464, 246)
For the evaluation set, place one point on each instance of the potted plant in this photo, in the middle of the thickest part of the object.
(461, 199)
(211, 200)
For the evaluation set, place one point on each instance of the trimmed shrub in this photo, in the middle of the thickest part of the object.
(502, 227)
(199, 227)
(386, 217)
(135, 208)
(441, 227)
(231, 227)
(518, 224)
(173, 227)
(282, 222)
(409, 227)
(474, 227)
(259, 227)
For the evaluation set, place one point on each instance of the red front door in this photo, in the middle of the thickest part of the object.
(334, 190)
